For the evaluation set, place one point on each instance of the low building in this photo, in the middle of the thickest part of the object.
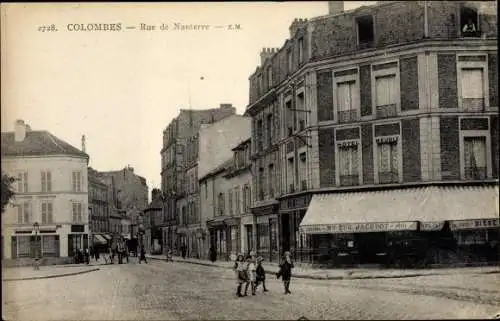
(50, 212)
(153, 221)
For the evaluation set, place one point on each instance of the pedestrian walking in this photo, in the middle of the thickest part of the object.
(241, 275)
(183, 251)
(285, 272)
(142, 257)
(96, 253)
(87, 256)
(251, 272)
(260, 274)
(213, 254)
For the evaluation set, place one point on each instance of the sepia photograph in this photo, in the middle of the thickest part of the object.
(259, 160)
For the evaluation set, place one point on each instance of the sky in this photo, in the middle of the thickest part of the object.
(121, 89)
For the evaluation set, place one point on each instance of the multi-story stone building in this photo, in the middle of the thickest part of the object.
(50, 212)
(386, 121)
(224, 176)
(179, 156)
(99, 208)
(153, 219)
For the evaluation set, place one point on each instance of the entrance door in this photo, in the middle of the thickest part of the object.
(249, 238)
(285, 232)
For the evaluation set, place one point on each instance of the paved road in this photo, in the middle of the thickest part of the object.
(175, 291)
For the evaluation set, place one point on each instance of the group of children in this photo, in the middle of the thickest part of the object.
(251, 273)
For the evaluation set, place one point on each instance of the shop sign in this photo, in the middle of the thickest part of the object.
(262, 219)
(359, 227)
(431, 226)
(475, 224)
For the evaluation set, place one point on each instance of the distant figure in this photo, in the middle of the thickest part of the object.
(96, 253)
(169, 255)
(469, 27)
(285, 271)
(213, 254)
(183, 251)
(261, 274)
(87, 256)
(142, 257)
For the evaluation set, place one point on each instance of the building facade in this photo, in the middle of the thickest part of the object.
(153, 219)
(99, 209)
(375, 105)
(180, 140)
(50, 216)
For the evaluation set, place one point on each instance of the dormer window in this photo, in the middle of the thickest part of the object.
(469, 22)
(365, 32)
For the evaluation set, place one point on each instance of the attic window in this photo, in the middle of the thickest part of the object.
(365, 31)
(469, 22)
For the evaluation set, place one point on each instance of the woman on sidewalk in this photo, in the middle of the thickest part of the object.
(285, 271)
(241, 275)
(261, 274)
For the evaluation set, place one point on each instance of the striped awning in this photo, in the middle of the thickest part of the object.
(99, 239)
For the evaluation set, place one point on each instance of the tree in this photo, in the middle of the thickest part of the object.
(7, 190)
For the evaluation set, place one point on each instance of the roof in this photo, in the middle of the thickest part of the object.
(421, 204)
(219, 169)
(241, 144)
(38, 143)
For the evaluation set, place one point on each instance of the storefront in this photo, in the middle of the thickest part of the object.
(266, 230)
(218, 237)
(292, 211)
(412, 227)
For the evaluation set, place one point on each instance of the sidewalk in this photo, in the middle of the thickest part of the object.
(45, 272)
(343, 274)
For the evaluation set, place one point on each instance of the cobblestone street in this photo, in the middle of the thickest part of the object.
(175, 291)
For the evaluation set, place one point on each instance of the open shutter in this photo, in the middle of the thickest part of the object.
(13, 246)
(58, 251)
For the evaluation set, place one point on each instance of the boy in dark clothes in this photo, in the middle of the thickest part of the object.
(261, 274)
(285, 272)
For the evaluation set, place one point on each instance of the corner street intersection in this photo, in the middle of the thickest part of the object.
(179, 291)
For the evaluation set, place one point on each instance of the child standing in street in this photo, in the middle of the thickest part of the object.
(261, 274)
(252, 275)
(285, 271)
(241, 275)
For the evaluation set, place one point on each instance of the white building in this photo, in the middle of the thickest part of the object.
(51, 190)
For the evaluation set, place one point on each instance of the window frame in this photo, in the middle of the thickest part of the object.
(475, 133)
(23, 182)
(383, 73)
(290, 177)
(473, 65)
(299, 115)
(77, 184)
(49, 215)
(302, 172)
(375, 143)
(356, 22)
(338, 161)
(300, 45)
(357, 99)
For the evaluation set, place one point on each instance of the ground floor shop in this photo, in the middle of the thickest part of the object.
(191, 241)
(413, 227)
(266, 231)
(225, 237)
(292, 210)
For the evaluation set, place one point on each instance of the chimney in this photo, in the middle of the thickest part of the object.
(83, 143)
(19, 130)
(267, 53)
(296, 24)
(335, 7)
(226, 106)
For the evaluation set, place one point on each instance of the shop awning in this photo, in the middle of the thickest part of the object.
(218, 221)
(107, 237)
(99, 239)
(399, 209)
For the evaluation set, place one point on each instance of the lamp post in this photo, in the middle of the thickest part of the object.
(36, 229)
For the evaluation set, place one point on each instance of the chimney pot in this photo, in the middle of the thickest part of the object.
(83, 144)
(19, 130)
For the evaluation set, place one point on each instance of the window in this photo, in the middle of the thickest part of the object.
(388, 166)
(77, 212)
(348, 165)
(263, 237)
(47, 213)
(386, 95)
(365, 32)
(237, 200)
(261, 184)
(290, 176)
(303, 171)
(300, 114)
(77, 181)
(222, 204)
(247, 198)
(289, 61)
(24, 213)
(269, 76)
(49, 245)
(269, 127)
(469, 20)
(22, 182)
(270, 180)
(23, 246)
(345, 101)
(230, 202)
(206, 189)
(301, 49)
(260, 134)
(289, 118)
(472, 82)
(475, 157)
(46, 181)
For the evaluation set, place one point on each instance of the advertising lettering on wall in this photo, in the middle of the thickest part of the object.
(475, 224)
(359, 227)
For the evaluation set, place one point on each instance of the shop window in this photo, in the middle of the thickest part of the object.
(23, 246)
(365, 32)
(49, 245)
(469, 20)
(475, 158)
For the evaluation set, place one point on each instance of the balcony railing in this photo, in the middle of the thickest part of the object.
(303, 185)
(365, 44)
(349, 180)
(385, 111)
(473, 104)
(475, 173)
(346, 116)
(388, 177)
(473, 34)
(291, 188)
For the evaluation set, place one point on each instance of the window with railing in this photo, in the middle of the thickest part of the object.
(300, 113)
(289, 118)
(386, 96)
(303, 171)
(46, 177)
(475, 158)
(469, 19)
(472, 82)
(388, 161)
(348, 164)
(346, 109)
(270, 180)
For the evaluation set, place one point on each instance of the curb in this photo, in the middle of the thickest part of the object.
(318, 277)
(51, 276)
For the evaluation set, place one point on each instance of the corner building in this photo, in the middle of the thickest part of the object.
(382, 123)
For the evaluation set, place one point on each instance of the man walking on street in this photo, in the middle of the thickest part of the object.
(143, 255)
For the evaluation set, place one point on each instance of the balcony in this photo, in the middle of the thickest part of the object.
(473, 104)
(349, 180)
(365, 44)
(386, 111)
(475, 172)
(303, 185)
(291, 188)
(471, 34)
(346, 116)
(388, 177)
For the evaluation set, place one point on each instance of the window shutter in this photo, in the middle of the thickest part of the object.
(25, 182)
(58, 253)
(44, 182)
(50, 213)
(44, 213)
(20, 213)
(13, 247)
(49, 181)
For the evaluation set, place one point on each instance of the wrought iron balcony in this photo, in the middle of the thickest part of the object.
(365, 44)
(346, 116)
(349, 180)
(475, 172)
(385, 111)
(473, 104)
(388, 177)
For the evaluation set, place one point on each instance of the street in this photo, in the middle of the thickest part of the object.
(178, 291)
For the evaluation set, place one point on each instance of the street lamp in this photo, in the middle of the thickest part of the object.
(36, 229)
